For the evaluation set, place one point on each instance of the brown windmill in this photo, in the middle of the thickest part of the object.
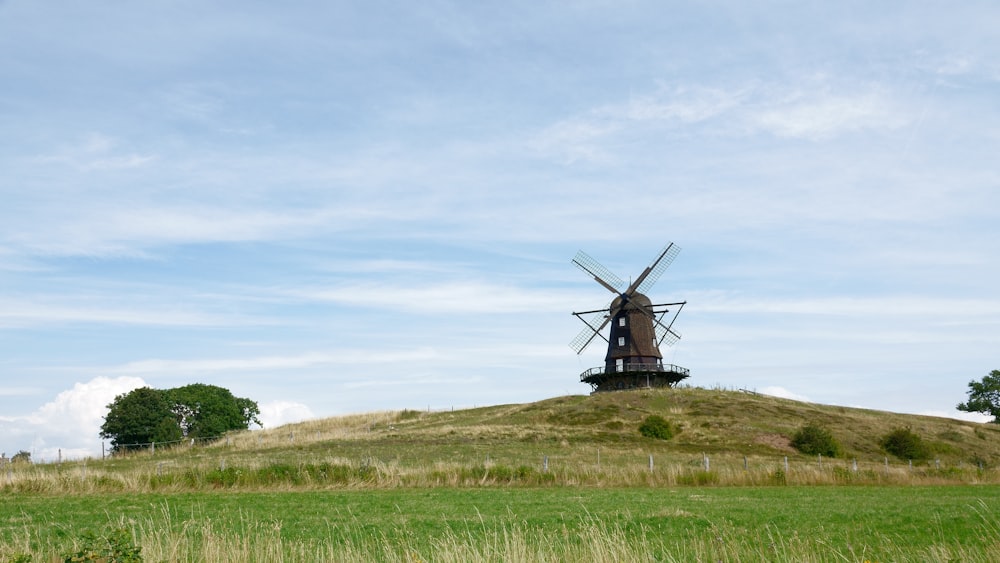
(637, 329)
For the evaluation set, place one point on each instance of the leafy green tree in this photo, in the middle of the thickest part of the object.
(193, 411)
(139, 417)
(207, 411)
(984, 396)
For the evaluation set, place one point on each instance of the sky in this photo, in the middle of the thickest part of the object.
(334, 207)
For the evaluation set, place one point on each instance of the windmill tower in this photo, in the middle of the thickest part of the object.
(637, 329)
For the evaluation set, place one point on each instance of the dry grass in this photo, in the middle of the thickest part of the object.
(589, 441)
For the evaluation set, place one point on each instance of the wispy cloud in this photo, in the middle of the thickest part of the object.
(466, 297)
(820, 116)
(893, 305)
(816, 110)
(98, 152)
(189, 367)
(23, 312)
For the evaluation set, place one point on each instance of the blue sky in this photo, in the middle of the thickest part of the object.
(335, 208)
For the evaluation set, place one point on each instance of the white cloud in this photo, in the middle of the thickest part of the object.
(959, 415)
(777, 391)
(277, 413)
(70, 423)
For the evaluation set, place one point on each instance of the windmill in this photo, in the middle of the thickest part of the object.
(638, 328)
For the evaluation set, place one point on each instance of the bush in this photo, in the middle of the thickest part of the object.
(116, 546)
(904, 444)
(812, 439)
(657, 427)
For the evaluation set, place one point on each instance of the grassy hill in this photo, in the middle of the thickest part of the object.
(710, 421)
(725, 437)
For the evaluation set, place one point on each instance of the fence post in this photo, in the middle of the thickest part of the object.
(820, 460)
(598, 458)
(854, 465)
(650, 463)
(886, 465)
(545, 463)
(746, 466)
(911, 465)
(152, 448)
(707, 466)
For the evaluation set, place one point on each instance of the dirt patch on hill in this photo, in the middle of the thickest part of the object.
(776, 441)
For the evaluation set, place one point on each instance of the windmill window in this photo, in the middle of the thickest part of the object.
(621, 340)
(621, 321)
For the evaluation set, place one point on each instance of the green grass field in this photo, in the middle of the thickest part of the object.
(824, 523)
(566, 479)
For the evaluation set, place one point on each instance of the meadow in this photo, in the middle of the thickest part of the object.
(568, 479)
(803, 523)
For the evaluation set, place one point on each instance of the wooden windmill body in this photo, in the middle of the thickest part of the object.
(638, 329)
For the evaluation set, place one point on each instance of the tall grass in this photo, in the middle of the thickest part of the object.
(253, 473)
(200, 538)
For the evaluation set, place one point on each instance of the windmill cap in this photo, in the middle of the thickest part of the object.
(636, 299)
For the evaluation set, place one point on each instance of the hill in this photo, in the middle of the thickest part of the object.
(725, 437)
(710, 421)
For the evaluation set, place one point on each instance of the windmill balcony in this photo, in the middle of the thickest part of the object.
(633, 376)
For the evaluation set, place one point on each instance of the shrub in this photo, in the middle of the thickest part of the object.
(812, 439)
(904, 444)
(117, 546)
(656, 426)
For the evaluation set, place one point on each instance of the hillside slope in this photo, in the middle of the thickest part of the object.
(711, 421)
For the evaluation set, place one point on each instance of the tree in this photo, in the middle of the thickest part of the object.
(984, 396)
(208, 411)
(145, 415)
(139, 417)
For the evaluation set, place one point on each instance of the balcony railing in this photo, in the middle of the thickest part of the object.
(591, 373)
